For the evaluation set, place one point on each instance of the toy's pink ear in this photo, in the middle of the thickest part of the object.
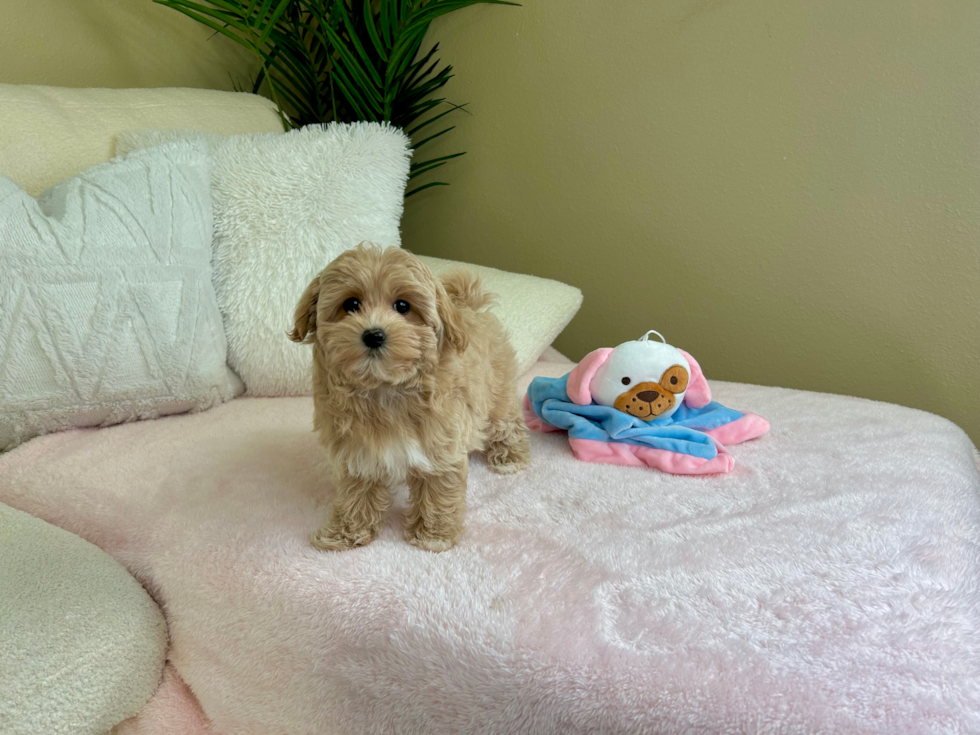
(581, 376)
(698, 393)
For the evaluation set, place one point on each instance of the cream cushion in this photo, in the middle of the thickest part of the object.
(533, 310)
(81, 643)
(50, 133)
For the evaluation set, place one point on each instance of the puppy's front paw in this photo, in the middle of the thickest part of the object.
(509, 456)
(433, 543)
(442, 540)
(331, 538)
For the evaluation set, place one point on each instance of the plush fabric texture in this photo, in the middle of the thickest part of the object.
(50, 133)
(691, 441)
(550, 354)
(285, 206)
(81, 643)
(172, 710)
(107, 311)
(828, 584)
(534, 311)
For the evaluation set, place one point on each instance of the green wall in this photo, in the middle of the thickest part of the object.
(790, 191)
(114, 43)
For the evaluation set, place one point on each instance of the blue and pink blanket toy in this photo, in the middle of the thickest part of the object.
(643, 403)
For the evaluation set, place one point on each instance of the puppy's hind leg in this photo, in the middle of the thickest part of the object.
(508, 446)
(357, 514)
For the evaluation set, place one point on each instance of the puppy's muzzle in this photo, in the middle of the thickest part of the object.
(373, 338)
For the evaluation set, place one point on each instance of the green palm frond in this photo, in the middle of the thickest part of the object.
(344, 60)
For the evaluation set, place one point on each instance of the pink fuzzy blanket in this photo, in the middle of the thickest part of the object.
(830, 583)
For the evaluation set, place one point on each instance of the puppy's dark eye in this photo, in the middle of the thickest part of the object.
(401, 306)
(352, 305)
(626, 381)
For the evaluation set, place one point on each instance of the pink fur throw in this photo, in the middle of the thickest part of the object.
(829, 583)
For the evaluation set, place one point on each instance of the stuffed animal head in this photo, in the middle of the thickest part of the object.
(645, 379)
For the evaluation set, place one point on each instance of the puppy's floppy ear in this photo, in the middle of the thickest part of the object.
(453, 330)
(305, 316)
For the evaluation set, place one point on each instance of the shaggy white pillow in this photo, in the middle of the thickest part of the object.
(107, 311)
(285, 205)
(534, 311)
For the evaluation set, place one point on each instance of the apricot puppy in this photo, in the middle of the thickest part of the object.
(410, 374)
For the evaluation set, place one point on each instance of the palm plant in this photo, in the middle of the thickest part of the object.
(345, 60)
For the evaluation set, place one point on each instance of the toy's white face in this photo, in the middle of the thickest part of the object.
(642, 378)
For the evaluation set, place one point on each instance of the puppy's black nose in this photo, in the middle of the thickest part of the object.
(648, 395)
(373, 338)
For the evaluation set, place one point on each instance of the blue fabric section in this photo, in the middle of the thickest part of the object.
(683, 432)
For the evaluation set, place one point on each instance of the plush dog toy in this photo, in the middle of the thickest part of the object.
(644, 403)
(643, 378)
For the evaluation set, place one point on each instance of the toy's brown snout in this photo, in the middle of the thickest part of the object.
(648, 400)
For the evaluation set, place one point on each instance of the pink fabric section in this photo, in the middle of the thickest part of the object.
(172, 710)
(533, 421)
(698, 393)
(748, 427)
(581, 376)
(590, 450)
(827, 584)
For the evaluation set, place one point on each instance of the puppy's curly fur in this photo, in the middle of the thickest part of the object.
(410, 374)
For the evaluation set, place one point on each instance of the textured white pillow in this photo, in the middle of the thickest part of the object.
(285, 205)
(533, 310)
(107, 311)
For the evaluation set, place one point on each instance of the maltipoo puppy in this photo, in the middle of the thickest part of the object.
(410, 374)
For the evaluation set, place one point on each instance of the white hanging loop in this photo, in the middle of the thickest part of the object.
(646, 336)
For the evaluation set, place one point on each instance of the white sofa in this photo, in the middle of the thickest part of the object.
(829, 584)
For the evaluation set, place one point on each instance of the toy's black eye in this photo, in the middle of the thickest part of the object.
(626, 381)
(402, 307)
(673, 380)
(352, 305)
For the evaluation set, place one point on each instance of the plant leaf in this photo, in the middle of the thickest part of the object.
(351, 93)
(271, 23)
(349, 62)
(414, 68)
(417, 189)
(341, 8)
(431, 120)
(405, 47)
(387, 20)
(422, 142)
(422, 164)
(426, 170)
(334, 60)
(373, 30)
(206, 20)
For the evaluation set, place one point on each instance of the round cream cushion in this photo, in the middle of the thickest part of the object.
(82, 645)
